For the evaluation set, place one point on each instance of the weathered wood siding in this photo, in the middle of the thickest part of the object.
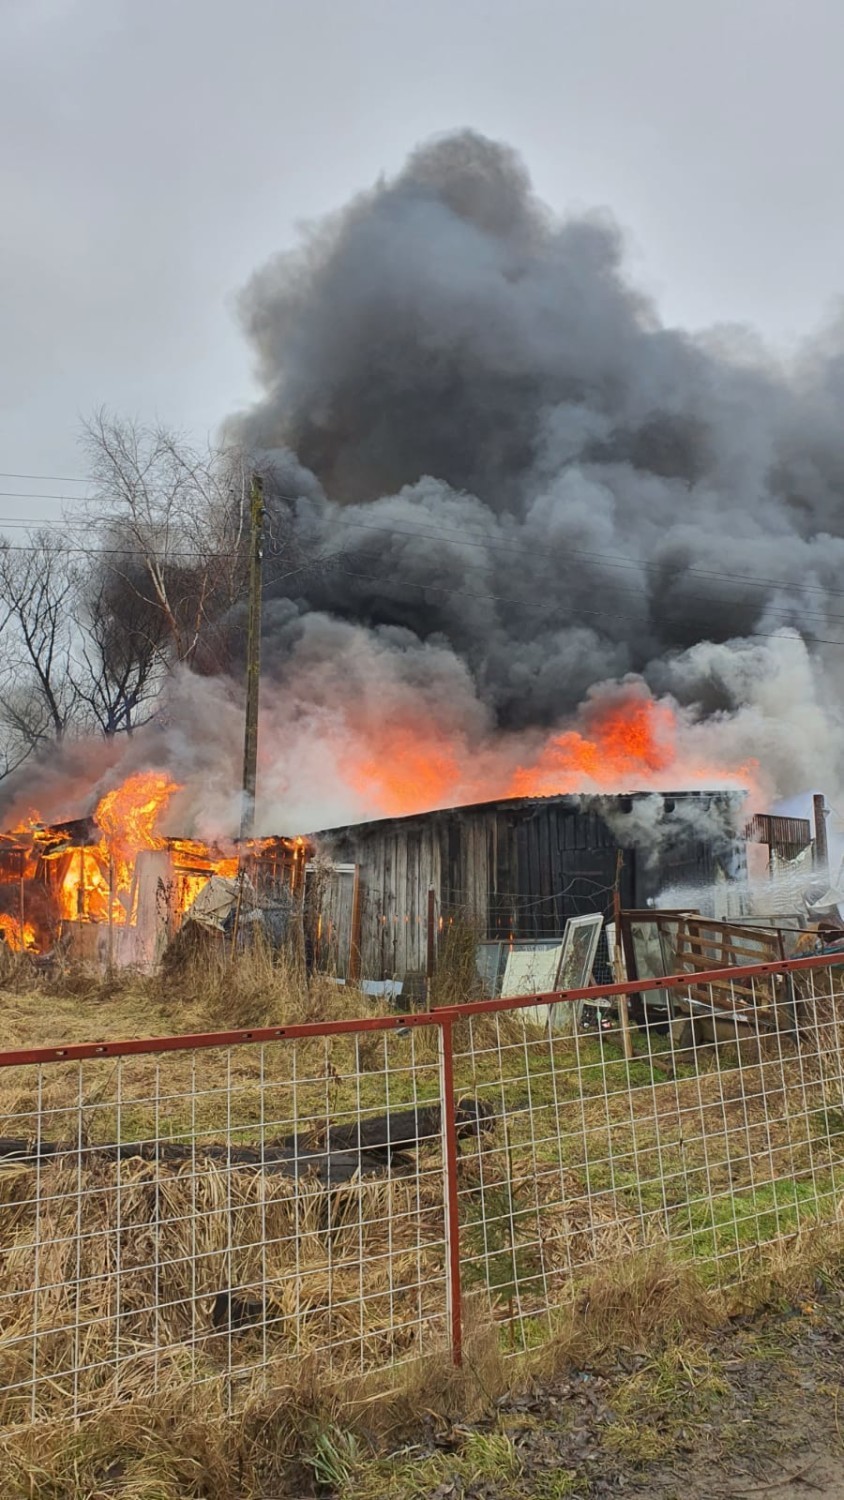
(516, 868)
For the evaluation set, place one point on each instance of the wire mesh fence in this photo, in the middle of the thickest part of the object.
(722, 1134)
(220, 1209)
(216, 1208)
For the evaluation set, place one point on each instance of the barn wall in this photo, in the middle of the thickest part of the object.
(517, 868)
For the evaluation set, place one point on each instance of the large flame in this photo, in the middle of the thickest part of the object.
(128, 818)
(129, 814)
(65, 874)
(627, 745)
(629, 748)
(408, 770)
(624, 743)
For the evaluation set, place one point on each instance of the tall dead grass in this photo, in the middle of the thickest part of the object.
(201, 985)
(456, 977)
(108, 1281)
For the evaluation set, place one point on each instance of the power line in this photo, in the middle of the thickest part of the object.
(460, 536)
(197, 554)
(33, 495)
(608, 558)
(465, 539)
(602, 614)
(20, 523)
(698, 598)
(127, 552)
(45, 478)
(706, 599)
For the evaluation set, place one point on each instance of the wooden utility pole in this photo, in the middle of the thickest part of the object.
(623, 1013)
(253, 656)
(821, 845)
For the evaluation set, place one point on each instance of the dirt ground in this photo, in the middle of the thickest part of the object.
(754, 1410)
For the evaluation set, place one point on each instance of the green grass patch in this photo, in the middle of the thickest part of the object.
(755, 1216)
(484, 1458)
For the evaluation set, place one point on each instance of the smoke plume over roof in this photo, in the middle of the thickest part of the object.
(529, 486)
(499, 488)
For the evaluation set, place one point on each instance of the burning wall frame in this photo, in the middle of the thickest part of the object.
(58, 888)
(518, 868)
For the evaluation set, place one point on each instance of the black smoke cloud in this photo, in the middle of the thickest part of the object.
(501, 491)
(483, 438)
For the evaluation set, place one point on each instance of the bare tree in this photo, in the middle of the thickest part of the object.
(89, 630)
(116, 669)
(37, 698)
(171, 522)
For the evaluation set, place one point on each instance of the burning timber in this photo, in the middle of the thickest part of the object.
(122, 894)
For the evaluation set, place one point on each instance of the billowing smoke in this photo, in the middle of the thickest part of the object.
(514, 469)
(495, 481)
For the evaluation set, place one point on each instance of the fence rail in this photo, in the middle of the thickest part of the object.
(214, 1207)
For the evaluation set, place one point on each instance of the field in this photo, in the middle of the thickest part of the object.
(113, 1262)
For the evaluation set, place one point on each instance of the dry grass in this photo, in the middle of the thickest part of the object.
(78, 1003)
(169, 1446)
(734, 1170)
(259, 986)
(634, 1303)
(456, 979)
(126, 1281)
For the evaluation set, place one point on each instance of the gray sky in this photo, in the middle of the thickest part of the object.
(153, 152)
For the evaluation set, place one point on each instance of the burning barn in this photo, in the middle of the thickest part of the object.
(375, 899)
(385, 891)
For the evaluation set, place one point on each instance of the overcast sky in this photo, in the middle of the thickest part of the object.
(153, 152)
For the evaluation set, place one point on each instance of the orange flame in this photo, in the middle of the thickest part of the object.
(128, 815)
(28, 825)
(627, 745)
(95, 882)
(128, 818)
(83, 891)
(409, 772)
(19, 939)
(632, 746)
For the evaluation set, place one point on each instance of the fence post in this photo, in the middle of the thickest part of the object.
(430, 951)
(452, 1206)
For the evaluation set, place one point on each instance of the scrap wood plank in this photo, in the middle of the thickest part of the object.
(700, 963)
(697, 936)
(730, 949)
(760, 954)
(724, 997)
(704, 944)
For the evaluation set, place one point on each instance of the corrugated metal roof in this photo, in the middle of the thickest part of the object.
(576, 802)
